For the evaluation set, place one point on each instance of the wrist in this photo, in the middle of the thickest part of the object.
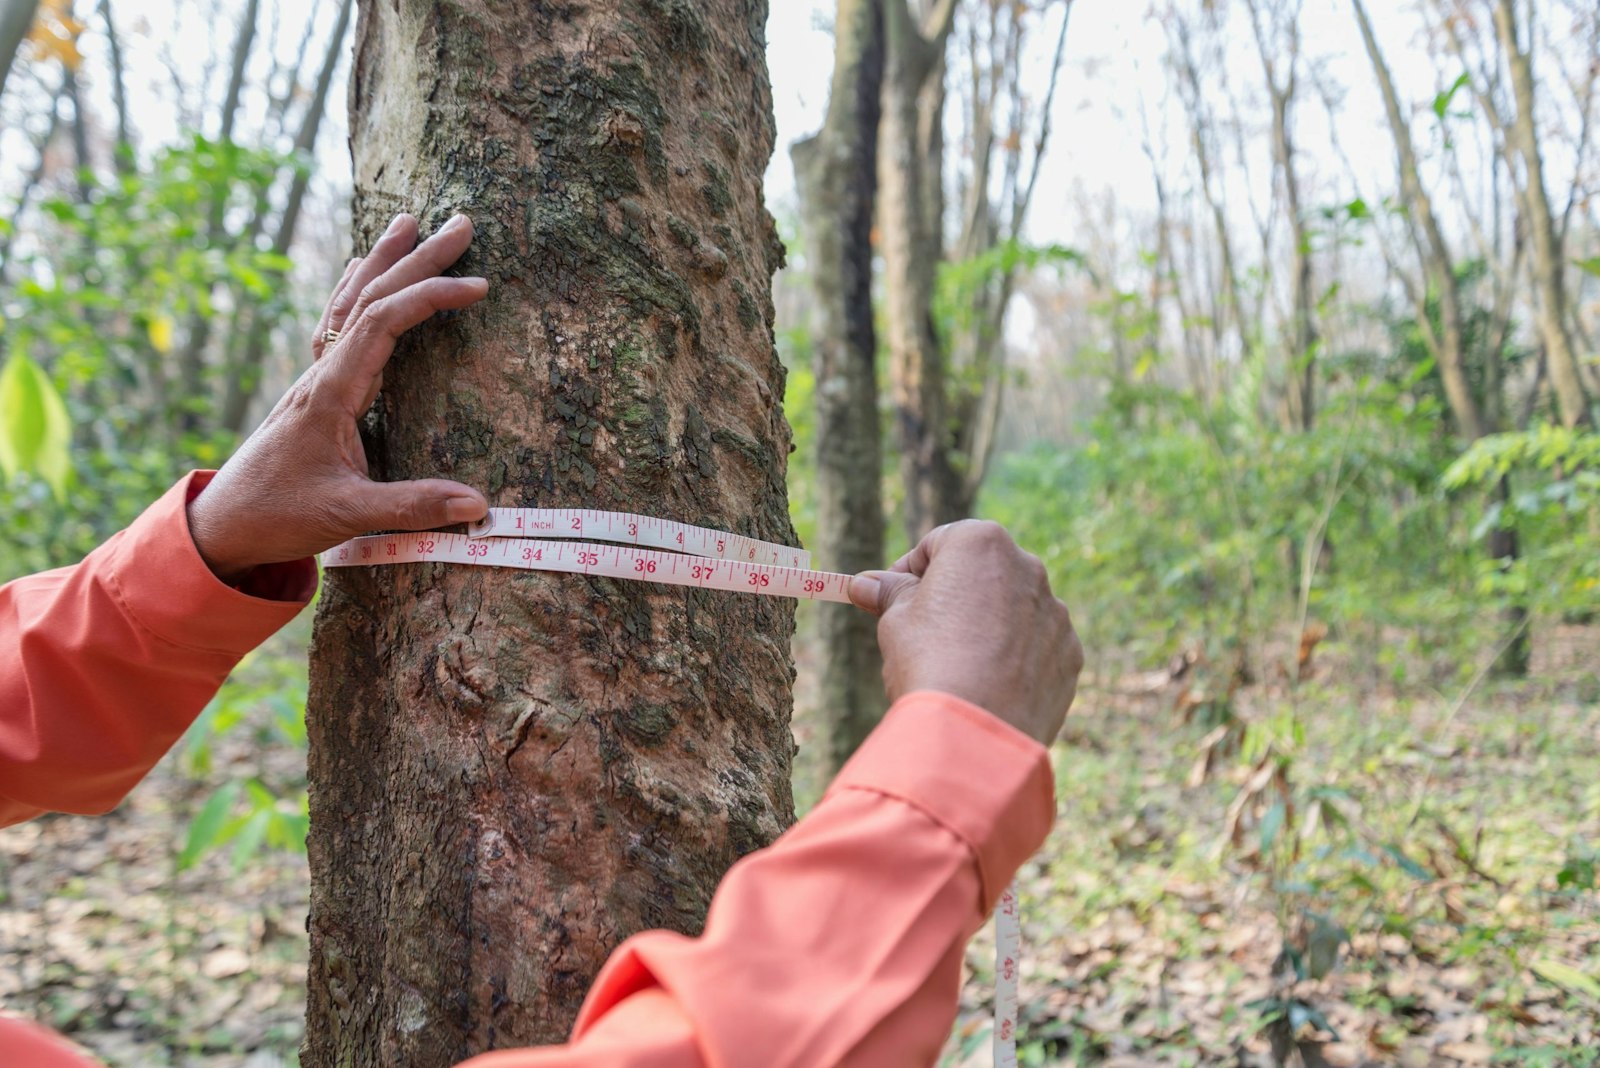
(229, 567)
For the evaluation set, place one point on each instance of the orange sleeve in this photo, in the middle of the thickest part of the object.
(842, 943)
(109, 661)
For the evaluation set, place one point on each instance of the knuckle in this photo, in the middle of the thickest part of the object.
(414, 514)
(1075, 654)
(992, 533)
(302, 396)
(379, 312)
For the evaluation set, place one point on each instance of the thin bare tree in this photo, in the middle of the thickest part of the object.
(1275, 25)
(838, 181)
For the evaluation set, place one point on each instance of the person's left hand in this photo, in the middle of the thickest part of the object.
(299, 485)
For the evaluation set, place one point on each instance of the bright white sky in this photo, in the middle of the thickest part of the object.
(1114, 68)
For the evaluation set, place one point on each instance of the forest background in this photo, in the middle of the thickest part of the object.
(1271, 326)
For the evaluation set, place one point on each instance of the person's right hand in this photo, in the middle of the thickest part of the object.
(300, 483)
(969, 613)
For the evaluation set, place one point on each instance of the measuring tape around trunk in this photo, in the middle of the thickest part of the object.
(658, 550)
(678, 554)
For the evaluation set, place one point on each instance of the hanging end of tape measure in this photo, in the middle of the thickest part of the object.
(481, 528)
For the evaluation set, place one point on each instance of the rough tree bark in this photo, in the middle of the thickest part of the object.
(837, 177)
(1549, 258)
(510, 772)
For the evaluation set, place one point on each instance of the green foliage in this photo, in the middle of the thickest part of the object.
(1442, 101)
(1567, 977)
(34, 428)
(266, 697)
(106, 290)
(1177, 526)
(1551, 500)
(962, 284)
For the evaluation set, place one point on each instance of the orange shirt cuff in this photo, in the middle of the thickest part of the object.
(161, 580)
(980, 778)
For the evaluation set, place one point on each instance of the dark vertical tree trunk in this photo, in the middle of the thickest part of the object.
(510, 772)
(838, 181)
(1549, 252)
(16, 17)
(122, 154)
(912, 246)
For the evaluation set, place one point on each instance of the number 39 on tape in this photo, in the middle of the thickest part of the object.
(655, 550)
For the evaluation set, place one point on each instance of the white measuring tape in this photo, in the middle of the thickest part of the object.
(656, 550)
(647, 549)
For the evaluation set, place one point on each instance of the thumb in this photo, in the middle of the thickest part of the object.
(420, 505)
(876, 591)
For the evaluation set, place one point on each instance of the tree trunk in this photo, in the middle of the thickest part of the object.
(837, 177)
(912, 248)
(1504, 548)
(122, 154)
(1229, 304)
(1448, 346)
(245, 378)
(512, 772)
(1549, 261)
(16, 18)
(1300, 368)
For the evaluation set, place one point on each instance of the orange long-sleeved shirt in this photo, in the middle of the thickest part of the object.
(841, 944)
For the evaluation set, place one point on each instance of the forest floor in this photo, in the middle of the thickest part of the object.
(1452, 835)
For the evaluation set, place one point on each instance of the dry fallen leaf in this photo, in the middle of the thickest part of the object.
(224, 963)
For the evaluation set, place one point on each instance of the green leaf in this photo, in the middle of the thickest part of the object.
(206, 830)
(1271, 824)
(35, 431)
(1566, 976)
(1589, 266)
(1441, 103)
(1323, 943)
(250, 838)
(1407, 865)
